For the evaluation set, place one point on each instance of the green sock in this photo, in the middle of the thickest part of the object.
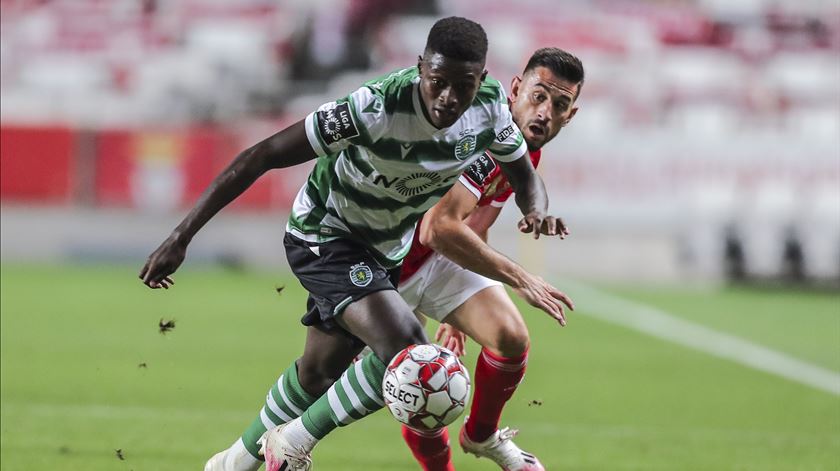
(285, 401)
(357, 394)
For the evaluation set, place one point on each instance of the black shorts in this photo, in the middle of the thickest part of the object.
(336, 273)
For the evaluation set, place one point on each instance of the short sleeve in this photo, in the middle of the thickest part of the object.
(358, 119)
(509, 144)
(475, 190)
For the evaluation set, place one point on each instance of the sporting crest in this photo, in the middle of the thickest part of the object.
(465, 147)
(361, 275)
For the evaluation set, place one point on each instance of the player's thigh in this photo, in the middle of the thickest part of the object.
(490, 318)
(384, 322)
(446, 286)
(326, 355)
(411, 289)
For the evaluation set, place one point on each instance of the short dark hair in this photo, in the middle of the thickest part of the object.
(458, 38)
(561, 63)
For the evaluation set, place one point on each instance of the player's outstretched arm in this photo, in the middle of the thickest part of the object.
(286, 148)
(443, 229)
(539, 293)
(532, 199)
(482, 218)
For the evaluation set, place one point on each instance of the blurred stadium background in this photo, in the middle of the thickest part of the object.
(706, 152)
(707, 127)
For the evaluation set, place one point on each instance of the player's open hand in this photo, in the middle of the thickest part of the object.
(538, 293)
(451, 338)
(548, 225)
(162, 263)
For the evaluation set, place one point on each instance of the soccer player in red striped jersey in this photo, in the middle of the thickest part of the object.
(465, 291)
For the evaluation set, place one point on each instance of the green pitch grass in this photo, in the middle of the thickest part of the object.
(85, 372)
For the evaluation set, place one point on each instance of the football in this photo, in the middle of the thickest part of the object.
(426, 387)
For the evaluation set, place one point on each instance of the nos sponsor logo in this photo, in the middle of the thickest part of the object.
(410, 185)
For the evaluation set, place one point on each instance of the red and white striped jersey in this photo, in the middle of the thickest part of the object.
(484, 178)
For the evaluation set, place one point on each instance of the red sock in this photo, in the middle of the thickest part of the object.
(495, 380)
(431, 449)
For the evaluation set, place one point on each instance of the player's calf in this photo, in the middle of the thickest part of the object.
(496, 379)
(315, 381)
(430, 449)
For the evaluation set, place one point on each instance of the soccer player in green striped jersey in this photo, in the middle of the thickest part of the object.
(385, 154)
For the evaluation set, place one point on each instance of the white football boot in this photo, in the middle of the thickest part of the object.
(280, 455)
(217, 462)
(235, 458)
(500, 448)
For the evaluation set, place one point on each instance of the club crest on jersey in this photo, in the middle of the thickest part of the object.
(465, 147)
(361, 275)
(335, 124)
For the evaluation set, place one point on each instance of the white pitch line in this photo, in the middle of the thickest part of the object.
(658, 323)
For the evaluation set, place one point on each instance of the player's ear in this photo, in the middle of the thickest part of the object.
(483, 75)
(572, 114)
(514, 86)
(420, 64)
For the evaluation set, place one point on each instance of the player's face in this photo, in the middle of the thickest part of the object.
(541, 104)
(448, 87)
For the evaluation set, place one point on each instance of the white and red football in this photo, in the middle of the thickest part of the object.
(426, 387)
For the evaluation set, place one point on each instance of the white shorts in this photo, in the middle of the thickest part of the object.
(440, 286)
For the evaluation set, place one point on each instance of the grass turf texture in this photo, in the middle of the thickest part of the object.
(611, 399)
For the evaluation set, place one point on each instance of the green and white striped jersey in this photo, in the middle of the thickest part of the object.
(382, 164)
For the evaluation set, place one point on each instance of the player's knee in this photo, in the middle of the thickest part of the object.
(316, 381)
(411, 335)
(512, 339)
